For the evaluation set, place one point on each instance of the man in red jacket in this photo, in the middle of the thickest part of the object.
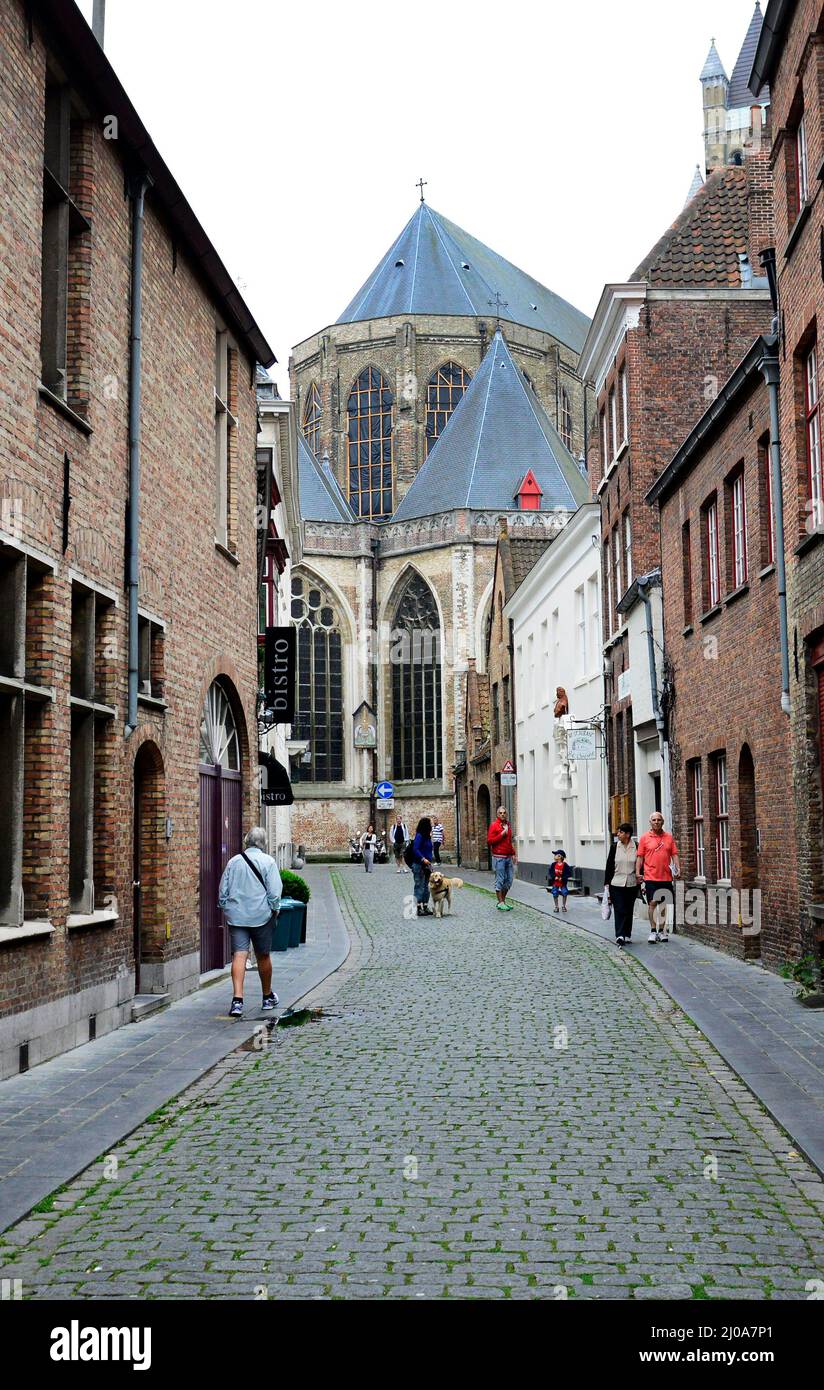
(504, 858)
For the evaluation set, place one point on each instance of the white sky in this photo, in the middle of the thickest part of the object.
(564, 135)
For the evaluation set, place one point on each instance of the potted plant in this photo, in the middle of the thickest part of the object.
(298, 890)
(803, 972)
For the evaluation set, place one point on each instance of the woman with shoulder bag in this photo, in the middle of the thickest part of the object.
(620, 884)
(368, 844)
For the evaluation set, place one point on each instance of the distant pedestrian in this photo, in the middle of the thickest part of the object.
(422, 865)
(437, 840)
(557, 877)
(656, 864)
(249, 898)
(368, 844)
(400, 839)
(504, 858)
(620, 884)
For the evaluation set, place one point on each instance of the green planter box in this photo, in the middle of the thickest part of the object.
(296, 921)
(303, 924)
(289, 914)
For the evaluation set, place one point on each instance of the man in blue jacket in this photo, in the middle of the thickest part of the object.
(249, 895)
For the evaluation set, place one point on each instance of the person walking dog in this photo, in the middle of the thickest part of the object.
(504, 858)
(656, 864)
(619, 881)
(369, 843)
(249, 898)
(422, 865)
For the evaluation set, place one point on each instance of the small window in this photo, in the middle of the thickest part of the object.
(767, 514)
(801, 169)
(737, 520)
(607, 567)
(627, 549)
(616, 567)
(566, 418)
(149, 658)
(581, 632)
(722, 813)
(311, 420)
(696, 777)
(496, 720)
(92, 649)
(507, 709)
(712, 581)
(622, 391)
(613, 423)
(686, 570)
(604, 441)
(815, 474)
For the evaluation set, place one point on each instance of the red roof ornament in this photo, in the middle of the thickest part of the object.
(529, 493)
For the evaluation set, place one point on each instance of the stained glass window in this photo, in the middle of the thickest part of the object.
(370, 446)
(319, 702)
(311, 420)
(566, 419)
(446, 386)
(415, 656)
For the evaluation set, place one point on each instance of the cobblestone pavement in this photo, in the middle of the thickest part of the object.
(493, 1106)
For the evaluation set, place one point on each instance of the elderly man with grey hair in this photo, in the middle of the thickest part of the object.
(249, 897)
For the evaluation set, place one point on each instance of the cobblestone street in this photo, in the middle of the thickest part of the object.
(492, 1106)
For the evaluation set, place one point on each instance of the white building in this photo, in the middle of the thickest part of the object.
(556, 617)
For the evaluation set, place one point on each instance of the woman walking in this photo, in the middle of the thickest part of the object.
(422, 865)
(368, 844)
(620, 882)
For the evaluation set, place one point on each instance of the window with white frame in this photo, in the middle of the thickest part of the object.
(91, 692)
(713, 585)
(613, 422)
(739, 531)
(594, 610)
(225, 426)
(815, 472)
(801, 170)
(545, 662)
(627, 549)
(698, 817)
(622, 388)
(533, 793)
(521, 685)
(608, 585)
(556, 646)
(766, 501)
(530, 650)
(580, 632)
(604, 441)
(722, 813)
(616, 567)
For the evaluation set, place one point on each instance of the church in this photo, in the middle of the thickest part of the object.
(445, 397)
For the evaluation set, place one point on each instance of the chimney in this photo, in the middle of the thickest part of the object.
(99, 20)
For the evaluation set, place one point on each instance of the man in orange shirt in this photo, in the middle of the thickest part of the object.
(656, 865)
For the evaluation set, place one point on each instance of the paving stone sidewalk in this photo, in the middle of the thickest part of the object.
(60, 1116)
(492, 1106)
(748, 1013)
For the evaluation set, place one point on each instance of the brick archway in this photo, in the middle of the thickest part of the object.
(149, 858)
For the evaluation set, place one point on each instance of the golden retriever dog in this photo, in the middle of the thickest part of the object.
(440, 888)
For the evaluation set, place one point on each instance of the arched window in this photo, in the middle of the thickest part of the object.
(219, 743)
(319, 700)
(446, 386)
(566, 418)
(416, 685)
(370, 446)
(311, 420)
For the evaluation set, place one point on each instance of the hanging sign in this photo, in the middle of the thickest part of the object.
(581, 744)
(276, 789)
(280, 671)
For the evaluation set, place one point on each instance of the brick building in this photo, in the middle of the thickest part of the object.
(127, 701)
(403, 475)
(657, 350)
(729, 737)
(790, 57)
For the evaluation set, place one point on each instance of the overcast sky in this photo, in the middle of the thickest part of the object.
(564, 135)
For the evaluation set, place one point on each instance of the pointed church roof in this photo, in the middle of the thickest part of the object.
(497, 431)
(697, 182)
(740, 93)
(320, 496)
(435, 267)
(713, 67)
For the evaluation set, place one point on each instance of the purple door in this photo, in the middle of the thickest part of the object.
(220, 838)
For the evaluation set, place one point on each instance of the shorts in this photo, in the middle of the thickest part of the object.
(260, 937)
(661, 892)
(504, 872)
(555, 890)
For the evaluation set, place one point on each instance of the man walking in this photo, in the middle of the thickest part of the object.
(249, 897)
(437, 839)
(656, 864)
(504, 859)
(400, 839)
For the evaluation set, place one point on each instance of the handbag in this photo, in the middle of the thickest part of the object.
(606, 906)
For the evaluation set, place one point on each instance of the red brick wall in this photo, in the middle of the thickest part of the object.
(727, 684)
(207, 602)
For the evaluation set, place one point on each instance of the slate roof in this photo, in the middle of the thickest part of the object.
(444, 270)
(320, 496)
(525, 553)
(497, 431)
(703, 243)
(713, 67)
(739, 92)
(697, 182)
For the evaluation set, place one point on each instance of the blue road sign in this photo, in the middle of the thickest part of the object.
(384, 789)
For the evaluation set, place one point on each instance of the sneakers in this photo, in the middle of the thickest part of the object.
(619, 941)
(236, 1010)
(501, 907)
(663, 936)
(270, 1003)
(652, 939)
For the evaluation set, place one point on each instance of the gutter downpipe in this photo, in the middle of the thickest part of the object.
(666, 792)
(138, 191)
(770, 371)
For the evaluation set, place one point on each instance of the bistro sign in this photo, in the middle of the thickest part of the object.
(280, 671)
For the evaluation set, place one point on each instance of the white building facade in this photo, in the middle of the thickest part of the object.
(560, 762)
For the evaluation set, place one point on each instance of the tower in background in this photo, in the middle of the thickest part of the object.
(734, 119)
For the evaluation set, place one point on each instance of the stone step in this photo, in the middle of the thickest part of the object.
(145, 1004)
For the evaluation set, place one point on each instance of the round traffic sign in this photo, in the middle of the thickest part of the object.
(385, 789)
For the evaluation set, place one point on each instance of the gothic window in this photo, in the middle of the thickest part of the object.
(219, 742)
(311, 420)
(566, 419)
(446, 386)
(319, 704)
(416, 685)
(370, 446)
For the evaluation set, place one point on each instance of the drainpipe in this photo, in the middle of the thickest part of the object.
(138, 192)
(644, 584)
(770, 371)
